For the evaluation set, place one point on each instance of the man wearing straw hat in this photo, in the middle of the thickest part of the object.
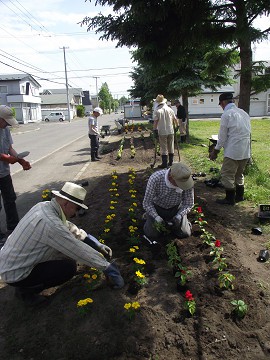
(44, 248)
(164, 123)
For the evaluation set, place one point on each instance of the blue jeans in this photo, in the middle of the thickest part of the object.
(9, 201)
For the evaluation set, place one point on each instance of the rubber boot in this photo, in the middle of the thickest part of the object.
(164, 164)
(30, 295)
(229, 199)
(93, 157)
(170, 159)
(96, 156)
(239, 193)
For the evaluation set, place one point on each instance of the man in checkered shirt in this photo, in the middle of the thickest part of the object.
(169, 197)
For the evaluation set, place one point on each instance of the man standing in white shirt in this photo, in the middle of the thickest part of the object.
(234, 137)
(93, 133)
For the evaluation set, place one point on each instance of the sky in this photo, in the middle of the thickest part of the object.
(34, 34)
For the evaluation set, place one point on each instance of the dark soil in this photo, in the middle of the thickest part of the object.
(162, 328)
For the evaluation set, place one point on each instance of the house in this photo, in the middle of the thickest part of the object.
(56, 99)
(21, 92)
(206, 103)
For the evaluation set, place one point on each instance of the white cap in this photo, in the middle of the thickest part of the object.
(99, 110)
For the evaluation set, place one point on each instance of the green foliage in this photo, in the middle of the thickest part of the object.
(80, 110)
(240, 308)
(226, 280)
(173, 258)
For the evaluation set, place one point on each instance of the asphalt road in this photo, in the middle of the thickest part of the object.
(59, 152)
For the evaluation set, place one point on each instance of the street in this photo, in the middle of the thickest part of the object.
(59, 152)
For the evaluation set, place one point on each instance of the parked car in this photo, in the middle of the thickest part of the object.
(55, 116)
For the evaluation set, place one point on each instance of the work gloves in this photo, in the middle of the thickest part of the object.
(114, 277)
(213, 154)
(177, 219)
(95, 244)
(12, 160)
(159, 219)
(155, 133)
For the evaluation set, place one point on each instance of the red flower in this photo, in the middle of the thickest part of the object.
(217, 243)
(200, 219)
(199, 209)
(189, 296)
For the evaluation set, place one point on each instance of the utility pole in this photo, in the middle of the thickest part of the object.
(96, 77)
(68, 104)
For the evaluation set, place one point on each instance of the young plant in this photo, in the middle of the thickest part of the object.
(226, 280)
(207, 237)
(83, 305)
(183, 273)
(131, 309)
(221, 262)
(140, 278)
(161, 227)
(190, 303)
(173, 258)
(240, 308)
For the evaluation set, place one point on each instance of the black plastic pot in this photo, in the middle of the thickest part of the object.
(134, 288)
(263, 256)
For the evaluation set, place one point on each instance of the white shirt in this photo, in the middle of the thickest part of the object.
(93, 125)
(234, 133)
(165, 117)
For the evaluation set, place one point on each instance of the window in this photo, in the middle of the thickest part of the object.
(201, 101)
(3, 89)
(211, 100)
(195, 101)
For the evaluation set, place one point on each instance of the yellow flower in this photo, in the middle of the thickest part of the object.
(94, 276)
(112, 207)
(127, 306)
(86, 276)
(134, 220)
(133, 196)
(116, 194)
(135, 305)
(131, 209)
(132, 250)
(139, 274)
(84, 302)
(136, 247)
(107, 230)
(134, 204)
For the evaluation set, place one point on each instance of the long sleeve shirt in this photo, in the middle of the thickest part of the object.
(159, 191)
(234, 133)
(42, 235)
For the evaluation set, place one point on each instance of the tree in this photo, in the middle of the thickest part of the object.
(159, 28)
(106, 97)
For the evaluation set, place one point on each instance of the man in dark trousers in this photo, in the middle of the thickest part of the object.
(93, 133)
(234, 137)
(181, 116)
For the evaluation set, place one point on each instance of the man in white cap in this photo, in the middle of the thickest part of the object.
(8, 156)
(164, 123)
(168, 198)
(234, 137)
(44, 248)
(93, 133)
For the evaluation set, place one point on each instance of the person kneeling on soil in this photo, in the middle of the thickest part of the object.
(44, 248)
(168, 198)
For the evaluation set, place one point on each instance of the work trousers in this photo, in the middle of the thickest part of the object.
(232, 172)
(166, 144)
(94, 143)
(49, 274)
(9, 201)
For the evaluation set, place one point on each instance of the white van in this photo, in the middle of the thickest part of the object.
(55, 116)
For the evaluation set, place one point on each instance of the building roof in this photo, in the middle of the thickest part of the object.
(73, 91)
(56, 99)
(23, 76)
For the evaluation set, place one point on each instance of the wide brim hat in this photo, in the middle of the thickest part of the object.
(182, 176)
(160, 99)
(73, 193)
(7, 114)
